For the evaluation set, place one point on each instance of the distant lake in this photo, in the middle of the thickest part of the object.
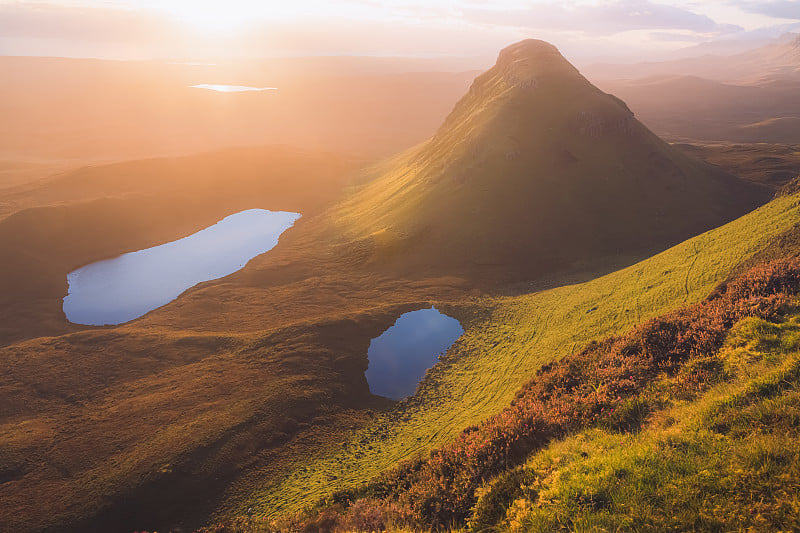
(232, 88)
(400, 356)
(117, 290)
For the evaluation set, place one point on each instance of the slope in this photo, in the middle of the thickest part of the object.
(723, 456)
(241, 381)
(534, 170)
(506, 341)
(612, 384)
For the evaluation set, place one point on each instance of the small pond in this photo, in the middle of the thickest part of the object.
(231, 88)
(400, 356)
(117, 290)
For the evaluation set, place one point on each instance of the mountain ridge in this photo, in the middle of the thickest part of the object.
(192, 410)
(780, 60)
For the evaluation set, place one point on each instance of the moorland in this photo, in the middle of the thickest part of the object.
(625, 273)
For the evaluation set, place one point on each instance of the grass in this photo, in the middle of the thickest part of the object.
(506, 341)
(725, 460)
(159, 442)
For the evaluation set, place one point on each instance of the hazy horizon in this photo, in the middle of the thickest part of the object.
(424, 265)
(441, 29)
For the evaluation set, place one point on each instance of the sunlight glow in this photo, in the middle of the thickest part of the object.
(219, 16)
(215, 16)
(231, 88)
(192, 29)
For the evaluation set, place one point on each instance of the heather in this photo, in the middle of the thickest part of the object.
(508, 338)
(599, 386)
(724, 457)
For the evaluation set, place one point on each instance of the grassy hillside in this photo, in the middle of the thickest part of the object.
(249, 391)
(506, 341)
(112, 427)
(725, 458)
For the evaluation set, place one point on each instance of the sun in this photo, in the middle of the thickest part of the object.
(216, 16)
(226, 16)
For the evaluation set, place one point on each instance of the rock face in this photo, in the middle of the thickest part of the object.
(535, 169)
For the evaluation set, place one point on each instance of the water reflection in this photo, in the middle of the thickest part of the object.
(231, 88)
(400, 356)
(126, 287)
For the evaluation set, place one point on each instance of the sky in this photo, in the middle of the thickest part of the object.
(196, 29)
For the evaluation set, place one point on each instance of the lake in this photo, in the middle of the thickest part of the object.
(231, 88)
(118, 290)
(400, 356)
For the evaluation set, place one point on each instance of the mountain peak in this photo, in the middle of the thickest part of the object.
(534, 170)
(529, 69)
(529, 49)
(524, 62)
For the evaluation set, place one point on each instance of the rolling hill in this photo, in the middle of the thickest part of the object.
(772, 165)
(774, 61)
(508, 340)
(249, 391)
(679, 107)
(50, 227)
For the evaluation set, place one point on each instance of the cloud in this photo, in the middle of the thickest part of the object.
(676, 37)
(48, 29)
(782, 9)
(603, 19)
(49, 21)
(465, 28)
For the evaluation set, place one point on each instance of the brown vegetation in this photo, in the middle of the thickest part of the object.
(773, 165)
(597, 385)
(241, 375)
(99, 212)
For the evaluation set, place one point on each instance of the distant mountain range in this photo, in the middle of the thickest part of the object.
(241, 385)
(767, 63)
(731, 46)
(749, 97)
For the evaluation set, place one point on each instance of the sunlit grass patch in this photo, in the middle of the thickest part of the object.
(728, 460)
(509, 339)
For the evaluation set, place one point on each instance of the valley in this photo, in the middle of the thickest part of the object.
(541, 215)
(519, 335)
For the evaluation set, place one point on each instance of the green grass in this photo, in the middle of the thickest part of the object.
(506, 340)
(727, 460)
